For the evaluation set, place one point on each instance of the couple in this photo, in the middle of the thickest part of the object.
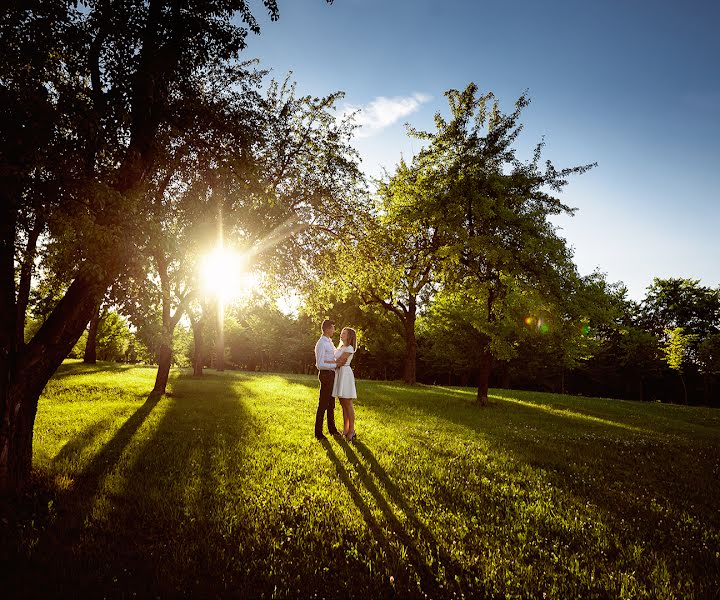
(336, 380)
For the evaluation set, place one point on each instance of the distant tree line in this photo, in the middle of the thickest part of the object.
(664, 348)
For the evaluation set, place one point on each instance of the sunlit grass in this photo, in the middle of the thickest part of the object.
(220, 489)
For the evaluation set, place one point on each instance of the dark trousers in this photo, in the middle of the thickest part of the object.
(326, 402)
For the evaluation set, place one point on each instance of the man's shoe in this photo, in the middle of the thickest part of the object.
(320, 436)
(336, 433)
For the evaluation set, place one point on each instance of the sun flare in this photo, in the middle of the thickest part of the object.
(224, 274)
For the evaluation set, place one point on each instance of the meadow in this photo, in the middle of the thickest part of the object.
(219, 489)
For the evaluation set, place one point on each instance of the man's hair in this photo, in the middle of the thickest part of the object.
(326, 324)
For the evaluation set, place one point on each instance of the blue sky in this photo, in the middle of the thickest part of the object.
(632, 85)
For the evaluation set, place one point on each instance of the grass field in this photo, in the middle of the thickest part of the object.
(220, 490)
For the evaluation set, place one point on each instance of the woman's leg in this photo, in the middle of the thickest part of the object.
(346, 416)
(351, 417)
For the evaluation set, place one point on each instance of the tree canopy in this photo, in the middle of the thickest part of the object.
(489, 214)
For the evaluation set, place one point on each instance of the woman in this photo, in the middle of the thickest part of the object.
(344, 387)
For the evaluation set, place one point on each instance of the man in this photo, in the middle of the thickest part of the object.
(326, 364)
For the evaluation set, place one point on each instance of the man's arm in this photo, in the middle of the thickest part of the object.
(318, 355)
(320, 352)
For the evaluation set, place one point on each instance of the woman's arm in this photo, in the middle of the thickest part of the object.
(342, 359)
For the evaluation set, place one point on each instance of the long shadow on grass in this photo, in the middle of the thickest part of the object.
(439, 573)
(45, 572)
(168, 526)
(74, 447)
(179, 519)
(600, 458)
(90, 479)
(375, 529)
(428, 584)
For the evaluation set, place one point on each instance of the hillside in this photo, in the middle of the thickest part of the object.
(220, 489)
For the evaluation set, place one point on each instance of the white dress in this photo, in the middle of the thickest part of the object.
(344, 386)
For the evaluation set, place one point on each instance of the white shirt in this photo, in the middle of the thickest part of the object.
(325, 354)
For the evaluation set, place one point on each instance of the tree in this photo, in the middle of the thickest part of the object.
(676, 351)
(86, 94)
(626, 356)
(90, 353)
(683, 303)
(387, 261)
(490, 211)
(637, 358)
(261, 338)
(448, 349)
(198, 314)
(113, 336)
(678, 302)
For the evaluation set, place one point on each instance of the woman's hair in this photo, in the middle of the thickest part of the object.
(351, 338)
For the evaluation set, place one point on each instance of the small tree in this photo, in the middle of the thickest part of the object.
(490, 214)
(676, 351)
(388, 262)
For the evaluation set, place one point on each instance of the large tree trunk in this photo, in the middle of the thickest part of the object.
(16, 436)
(409, 373)
(486, 358)
(90, 355)
(24, 374)
(484, 370)
(165, 349)
(407, 315)
(164, 361)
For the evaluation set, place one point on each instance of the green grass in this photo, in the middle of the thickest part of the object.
(220, 490)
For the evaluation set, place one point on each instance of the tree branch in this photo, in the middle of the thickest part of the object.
(23, 291)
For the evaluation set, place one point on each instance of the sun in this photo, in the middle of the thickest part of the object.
(224, 274)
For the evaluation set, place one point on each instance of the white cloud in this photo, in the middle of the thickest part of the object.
(383, 112)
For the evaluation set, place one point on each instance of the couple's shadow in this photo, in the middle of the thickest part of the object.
(425, 567)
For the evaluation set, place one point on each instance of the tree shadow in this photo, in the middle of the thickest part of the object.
(165, 530)
(629, 472)
(165, 513)
(73, 508)
(75, 446)
(439, 574)
(80, 368)
(175, 464)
